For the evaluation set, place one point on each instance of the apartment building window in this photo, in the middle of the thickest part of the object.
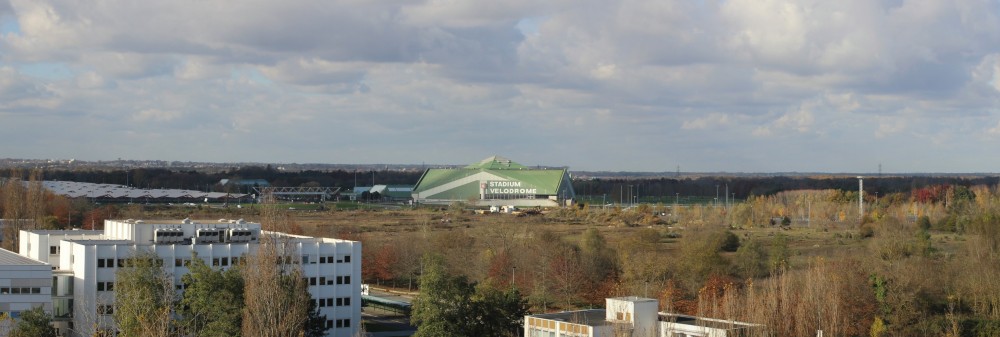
(106, 286)
(344, 279)
(329, 323)
(225, 261)
(322, 259)
(215, 262)
(19, 291)
(343, 301)
(343, 323)
(178, 262)
(53, 250)
(108, 263)
(105, 309)
(312, 281)
(322, 280)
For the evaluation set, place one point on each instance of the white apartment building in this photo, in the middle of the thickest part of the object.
(629, 316)
(85, 263)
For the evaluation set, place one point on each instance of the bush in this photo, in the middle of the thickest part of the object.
(866, 231)
(924, 222)
(730, 242)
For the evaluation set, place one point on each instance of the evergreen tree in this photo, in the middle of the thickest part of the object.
(315, 323)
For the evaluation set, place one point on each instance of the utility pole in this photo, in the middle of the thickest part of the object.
(861, 198)
(727, 195)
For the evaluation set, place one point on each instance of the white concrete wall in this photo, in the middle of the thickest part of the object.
(25, 276)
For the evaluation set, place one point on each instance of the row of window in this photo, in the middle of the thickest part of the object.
(111, 263)
(340, 302)
(339, 323)
(323, 280)
(307, 259)
(216, 262)
(19, 291)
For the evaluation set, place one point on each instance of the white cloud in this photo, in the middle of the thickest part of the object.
(156, 115)
(712, 120)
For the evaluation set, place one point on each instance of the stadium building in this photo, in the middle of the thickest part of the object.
(496, 181)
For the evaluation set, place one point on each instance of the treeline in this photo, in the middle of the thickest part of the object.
(194, 180)
(744, 187)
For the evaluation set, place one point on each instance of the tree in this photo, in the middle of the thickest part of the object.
(276, 298)
(144, 297)
(450, 305)
(33, 323)
(750, 260)
(444, 301)
(212, 304)
(315, 323)
(498, 313)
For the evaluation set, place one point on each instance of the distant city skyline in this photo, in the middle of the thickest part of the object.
(595, 85)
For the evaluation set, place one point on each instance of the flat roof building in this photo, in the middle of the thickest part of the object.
(24, 284)
(86, 262)
(629, 316)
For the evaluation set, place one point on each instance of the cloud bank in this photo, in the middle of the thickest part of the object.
(737, 85)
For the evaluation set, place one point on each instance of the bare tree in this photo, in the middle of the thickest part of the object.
(13, 195)
(275, 295)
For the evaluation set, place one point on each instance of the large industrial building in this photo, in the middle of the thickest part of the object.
(71, 273)
(495, 181)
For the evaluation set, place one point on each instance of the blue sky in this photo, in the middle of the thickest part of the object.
(738, 85)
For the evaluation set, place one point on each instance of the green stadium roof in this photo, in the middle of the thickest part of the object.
(462, 183)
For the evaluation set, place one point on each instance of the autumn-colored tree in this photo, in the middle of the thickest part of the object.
(384, 262)
(94, 218)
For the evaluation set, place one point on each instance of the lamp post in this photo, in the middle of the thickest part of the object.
(512, 269)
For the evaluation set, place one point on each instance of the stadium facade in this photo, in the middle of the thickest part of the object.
(496, 181)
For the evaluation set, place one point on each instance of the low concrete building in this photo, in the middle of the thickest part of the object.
(24, 284)
(629, 316)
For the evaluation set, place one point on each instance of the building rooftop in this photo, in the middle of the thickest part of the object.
(706, 322)
(11, 258)
(102, 242)
(635, 299)
(590, 317)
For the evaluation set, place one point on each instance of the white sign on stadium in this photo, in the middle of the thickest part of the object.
(507, 188)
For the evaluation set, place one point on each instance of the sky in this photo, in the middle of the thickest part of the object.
(616, 85)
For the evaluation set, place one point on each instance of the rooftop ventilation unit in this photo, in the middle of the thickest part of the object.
(239, 235)
(168, 235)
(209, 235)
